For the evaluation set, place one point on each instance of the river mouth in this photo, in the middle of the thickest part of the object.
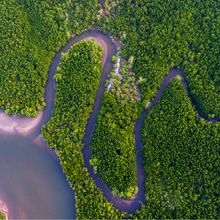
(32, 183)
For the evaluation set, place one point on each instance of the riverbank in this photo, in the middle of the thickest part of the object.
(18, 125)
(103, 44)
(3, 211)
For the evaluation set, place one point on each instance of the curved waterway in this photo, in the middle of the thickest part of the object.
(32, 183)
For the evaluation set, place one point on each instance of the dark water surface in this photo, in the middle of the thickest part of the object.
(31, 181)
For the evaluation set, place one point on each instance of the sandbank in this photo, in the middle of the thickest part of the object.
(18, 125)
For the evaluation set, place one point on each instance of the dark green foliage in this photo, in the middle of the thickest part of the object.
(113, 143)
(181, 155)
(30, 32)
(77, 82)
(29, 36)
(161, 34)
(181, 151)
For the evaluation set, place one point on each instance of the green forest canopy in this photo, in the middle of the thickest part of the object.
(181, 158)
(113, 142)
(31, 32)
(159, 35)
(164, 34)
(156, 35)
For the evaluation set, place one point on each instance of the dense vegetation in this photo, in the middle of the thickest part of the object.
(31, 31)
(181, 152)
(113, 143)
(180, 33)
(81, 71)
(181, 156)
(161, 35)
(26, 52)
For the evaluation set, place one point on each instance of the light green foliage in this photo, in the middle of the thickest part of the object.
(181, 151)
(114, 59)
(125, 86)
(107, 7)
(81, 14)
(131, 61)
(2, 216)
(80, 73)
(181, 157)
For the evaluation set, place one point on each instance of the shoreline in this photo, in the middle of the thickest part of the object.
(13, 125)
(4, 210)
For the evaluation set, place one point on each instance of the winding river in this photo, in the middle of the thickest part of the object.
(50, 187)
